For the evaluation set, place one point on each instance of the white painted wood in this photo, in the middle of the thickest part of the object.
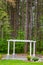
(8, 47)
(14, 48)
(34, 49)
(21, 40)
(30, 48)
(31, 41)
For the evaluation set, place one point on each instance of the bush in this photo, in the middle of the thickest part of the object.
(37, 52)
(0, 56)
(4, 46)
(42, 52)
(35, 58)
(29, 57)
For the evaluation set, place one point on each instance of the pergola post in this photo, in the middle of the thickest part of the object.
(8, 47)
(30, 48)
(14, 48)
(34, 48)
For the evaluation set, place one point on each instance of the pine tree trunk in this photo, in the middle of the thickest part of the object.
(28, 22)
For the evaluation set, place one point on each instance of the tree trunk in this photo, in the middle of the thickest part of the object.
(27, 23)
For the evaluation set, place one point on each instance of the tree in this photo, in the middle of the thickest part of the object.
(14, 15)
(28, 22)
(4, 19)
(39, 14)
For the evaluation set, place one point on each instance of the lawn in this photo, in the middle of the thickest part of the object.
(17, 62)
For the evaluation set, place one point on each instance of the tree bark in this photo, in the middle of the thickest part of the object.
(27, 23)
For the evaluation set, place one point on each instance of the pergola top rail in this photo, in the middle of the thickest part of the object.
(20, 40)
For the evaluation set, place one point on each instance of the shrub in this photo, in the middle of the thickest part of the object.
(37, 52)
(29, 57)
(42, 52)
(0, 56)
(35, 58)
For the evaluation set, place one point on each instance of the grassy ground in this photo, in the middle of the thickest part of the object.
(17, 62)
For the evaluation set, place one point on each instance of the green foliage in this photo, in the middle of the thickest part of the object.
(29, 57)
(37, 52)
(5, 27)
(4, 21)
(3, 46)
(0, 56)
(20, 34)
(42, 52)
(35, 58)
(19, 47)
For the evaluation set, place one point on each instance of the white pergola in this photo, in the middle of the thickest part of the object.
(14, 41)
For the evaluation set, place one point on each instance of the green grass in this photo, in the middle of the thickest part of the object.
(17, 62)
